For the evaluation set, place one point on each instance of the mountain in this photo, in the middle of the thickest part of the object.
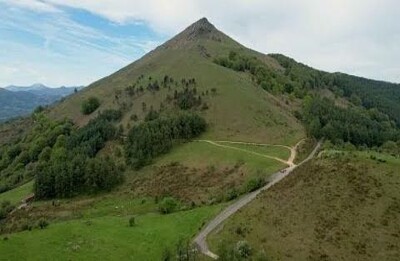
(238, 109)
(33, 87)
(157, 149)
(40, 89)
(21, 100)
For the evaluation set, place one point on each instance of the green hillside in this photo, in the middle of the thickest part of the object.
(155, 150)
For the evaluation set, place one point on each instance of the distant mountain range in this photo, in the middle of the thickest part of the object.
(22, 100)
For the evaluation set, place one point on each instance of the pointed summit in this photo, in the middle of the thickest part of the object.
(200, 30)
(201, 27)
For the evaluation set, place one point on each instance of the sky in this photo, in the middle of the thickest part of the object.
(76, 42)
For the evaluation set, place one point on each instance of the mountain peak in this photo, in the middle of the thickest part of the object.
(201, 29)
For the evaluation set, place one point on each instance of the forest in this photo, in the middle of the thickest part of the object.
(356, 125)
(71, 166)
(155, 137)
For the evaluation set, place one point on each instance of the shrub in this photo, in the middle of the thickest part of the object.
(42, 223)
(90, 105)
(243, 249)
(232, 194)
(254, 184)
(132, 222)
(168, 205)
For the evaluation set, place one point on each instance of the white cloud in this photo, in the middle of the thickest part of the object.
(357, 36)
(60, 51)
(335, 35)
(34, 5)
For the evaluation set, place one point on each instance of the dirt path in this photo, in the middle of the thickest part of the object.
(200, 239)
(289, 162)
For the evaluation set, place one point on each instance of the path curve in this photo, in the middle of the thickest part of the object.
(289, 162)
(200, 239)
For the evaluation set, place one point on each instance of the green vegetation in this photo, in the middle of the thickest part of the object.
(90, 239)
(355, 125)
(264, 76)
(5, 208)
(18, 158)
(156, 137)
(166, 98)
(70, 167)
(90, 105)
(168, 205)
(341, 206)
(132, 221)
(370, 122)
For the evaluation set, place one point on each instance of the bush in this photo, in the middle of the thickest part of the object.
(132, 222)
(90, 105)
(5, 208)
(243, 249)
(254, 184)
(232, 194)
(42, 223)
(168, 205)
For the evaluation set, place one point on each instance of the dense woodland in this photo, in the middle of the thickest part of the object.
(156, 137)
(18, 159)
(356, 125)
(71, 167)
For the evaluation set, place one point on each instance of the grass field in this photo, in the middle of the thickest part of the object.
(343, 206)
(205, 154)
(108, 237)
(274, 151)
(17, 194)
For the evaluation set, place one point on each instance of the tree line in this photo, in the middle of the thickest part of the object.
(152, 138)
(356, 125)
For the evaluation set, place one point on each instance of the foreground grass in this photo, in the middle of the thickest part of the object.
(16, 195)
(108, 237)
(343, 206)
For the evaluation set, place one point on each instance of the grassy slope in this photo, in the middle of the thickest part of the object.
(345, 207)
(108, 237)
(239, 111)
(204, 154)
(16, 195)
(274, 151)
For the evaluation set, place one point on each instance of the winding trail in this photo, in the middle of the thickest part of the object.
(201, 239)
(288, 162)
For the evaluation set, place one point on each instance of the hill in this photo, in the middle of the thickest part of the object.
(343, 205)
(175, 137)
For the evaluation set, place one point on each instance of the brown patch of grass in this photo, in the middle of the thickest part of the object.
(329, 209)
(189, 184)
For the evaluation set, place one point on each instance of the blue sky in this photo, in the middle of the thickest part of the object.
(75, 42)
(69, 46)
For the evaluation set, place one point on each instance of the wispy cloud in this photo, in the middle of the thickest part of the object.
(36, 39)
(358, 36)
(34, 5)
(305, 30)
